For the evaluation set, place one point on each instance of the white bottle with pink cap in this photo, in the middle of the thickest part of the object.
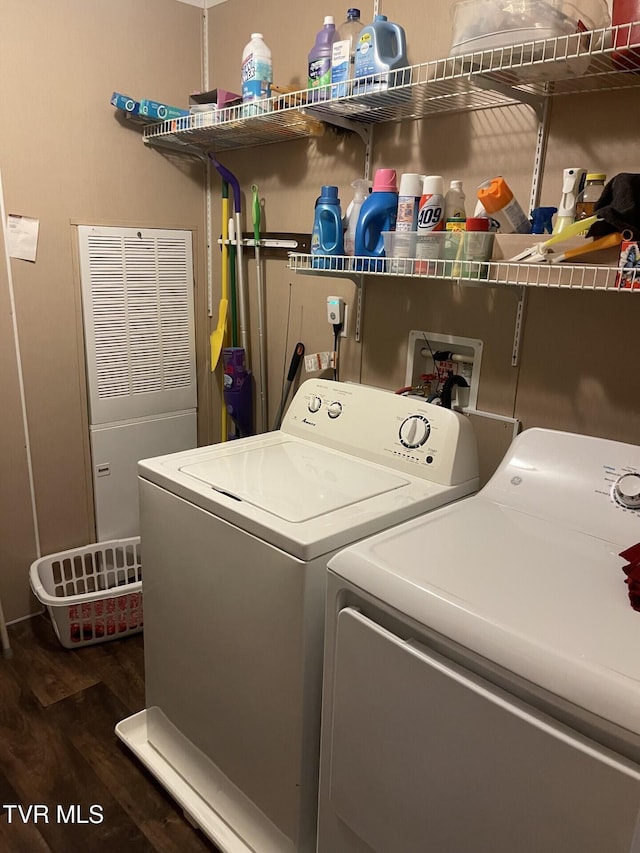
(377, 214)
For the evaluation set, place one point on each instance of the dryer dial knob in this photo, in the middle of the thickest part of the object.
(626, 491)
(334, 410)
(314, 404)
(414, 431)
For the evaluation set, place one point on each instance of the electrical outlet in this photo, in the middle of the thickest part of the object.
(338, 312)
(466, 359)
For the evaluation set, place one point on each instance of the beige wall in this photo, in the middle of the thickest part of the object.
(576, 369)
(66, 158)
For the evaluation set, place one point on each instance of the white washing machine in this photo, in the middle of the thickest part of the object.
(235, 542)
(482, 667)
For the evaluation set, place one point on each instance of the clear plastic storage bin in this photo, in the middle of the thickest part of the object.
(452, 254)
(92, 594)
(480, 25)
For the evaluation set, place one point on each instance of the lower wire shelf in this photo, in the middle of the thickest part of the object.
(493, 273)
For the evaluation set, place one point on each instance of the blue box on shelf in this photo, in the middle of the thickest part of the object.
(125, 103)
(161, 112)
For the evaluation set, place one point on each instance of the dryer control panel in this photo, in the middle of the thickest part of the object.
(626, 490)
(405, 433)
(590, 484)
(622, 486)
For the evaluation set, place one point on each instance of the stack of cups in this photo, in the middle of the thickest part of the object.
(477, 246)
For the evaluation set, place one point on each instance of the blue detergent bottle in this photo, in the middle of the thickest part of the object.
(327, 237)
(381, 49)
(377, 214)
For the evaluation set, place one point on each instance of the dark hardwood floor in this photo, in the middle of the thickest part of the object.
(58, 709)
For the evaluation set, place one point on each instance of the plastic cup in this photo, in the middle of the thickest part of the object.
(478, 247)
(429, 249)
(399, 247)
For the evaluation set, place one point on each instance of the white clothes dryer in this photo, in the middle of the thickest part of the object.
(482, 667)
(235, 542)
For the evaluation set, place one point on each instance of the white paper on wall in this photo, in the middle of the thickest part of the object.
(22, 237)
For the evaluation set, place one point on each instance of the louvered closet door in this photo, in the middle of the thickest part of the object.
(137, 294)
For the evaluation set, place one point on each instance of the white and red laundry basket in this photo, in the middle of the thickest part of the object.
(93, 593)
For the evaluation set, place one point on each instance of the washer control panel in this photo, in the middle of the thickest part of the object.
(414, 431)
(314, 403)
(406, 433)
(332, 408)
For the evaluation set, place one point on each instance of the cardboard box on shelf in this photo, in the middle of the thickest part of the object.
(218, 98)
(125, 103)
(159, 111)
(629, 277)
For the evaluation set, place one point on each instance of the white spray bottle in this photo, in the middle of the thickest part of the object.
(362, 189)
(572, 186)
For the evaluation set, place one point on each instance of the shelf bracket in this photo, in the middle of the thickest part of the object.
(519, 326)
(363, 130)
(176, 147)
(536, 102)
(540, 156)
(359, 307)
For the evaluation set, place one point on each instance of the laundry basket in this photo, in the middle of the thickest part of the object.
(93, 593)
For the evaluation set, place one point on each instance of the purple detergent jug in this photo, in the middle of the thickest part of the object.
(319, 69)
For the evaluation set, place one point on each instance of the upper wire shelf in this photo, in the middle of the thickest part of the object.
(551, 276)
(599, 60)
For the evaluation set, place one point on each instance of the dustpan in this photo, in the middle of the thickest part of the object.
(217, 336)
(539, 252)
(606, 242)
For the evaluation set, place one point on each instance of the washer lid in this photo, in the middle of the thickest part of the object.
(293, 481)
(296, 495)
(535, 597)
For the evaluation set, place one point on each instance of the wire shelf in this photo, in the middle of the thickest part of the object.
(492, 273)
(600, 60)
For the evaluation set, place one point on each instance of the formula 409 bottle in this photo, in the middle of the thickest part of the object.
(430, 221)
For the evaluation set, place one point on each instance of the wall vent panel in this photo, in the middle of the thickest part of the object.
(137, 293)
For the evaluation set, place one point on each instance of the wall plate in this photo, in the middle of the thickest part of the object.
(203, 4)
(469, 357)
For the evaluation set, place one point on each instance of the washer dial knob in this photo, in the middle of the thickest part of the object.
(314, 404)
(626, 491)
(334, 410)
(414, 431)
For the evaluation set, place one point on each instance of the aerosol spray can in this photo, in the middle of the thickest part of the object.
(409, 196)
(499, 202)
